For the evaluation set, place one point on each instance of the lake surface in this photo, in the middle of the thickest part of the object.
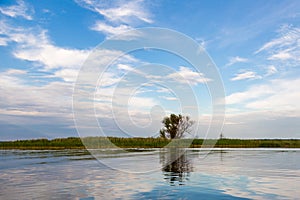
(150, 174)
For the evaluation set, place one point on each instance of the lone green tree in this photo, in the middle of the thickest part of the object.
(175, 126)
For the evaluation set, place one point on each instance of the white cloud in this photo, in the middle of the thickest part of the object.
(169, 98)
(68, 75)
(277, 95)
(246, 75)
(126, 12)
(285, 96)
(38, 48)
(19, 10)
(141, 102)
(280, 56)
(52, 57)
(234, 60)
(110, 30)
(125, 67)
(35, 46)
(64, 63)
(186, 75)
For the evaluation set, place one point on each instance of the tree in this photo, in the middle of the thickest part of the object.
(175, 126)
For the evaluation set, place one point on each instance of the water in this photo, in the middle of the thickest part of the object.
(150, 174)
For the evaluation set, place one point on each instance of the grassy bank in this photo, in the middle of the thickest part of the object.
(100, 142)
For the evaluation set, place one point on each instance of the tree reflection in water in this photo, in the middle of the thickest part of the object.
(176, 165)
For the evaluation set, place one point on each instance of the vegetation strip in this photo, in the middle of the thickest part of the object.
(113, 142)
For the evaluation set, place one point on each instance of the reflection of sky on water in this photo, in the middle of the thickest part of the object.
(226, 174)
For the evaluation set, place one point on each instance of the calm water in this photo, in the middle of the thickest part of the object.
(151, 174)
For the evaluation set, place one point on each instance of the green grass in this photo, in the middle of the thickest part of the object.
(113, 142)
(59, 143)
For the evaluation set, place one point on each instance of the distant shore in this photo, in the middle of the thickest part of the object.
(113, 142)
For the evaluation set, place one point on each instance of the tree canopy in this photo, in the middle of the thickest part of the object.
(175, 126)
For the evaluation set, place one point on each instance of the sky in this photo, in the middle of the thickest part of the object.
(253, 45)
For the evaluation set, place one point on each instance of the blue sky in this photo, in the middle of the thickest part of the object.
(254, 44)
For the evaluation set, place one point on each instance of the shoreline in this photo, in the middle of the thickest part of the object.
(114, 142)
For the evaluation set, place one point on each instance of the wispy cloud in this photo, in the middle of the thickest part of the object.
(112, 30)
(288, 35)
(119, 11)
(285, 47)
(126, 12)
(236, 59)
(120, 16)
(250, 75)
(19, 10)
(186, 75)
